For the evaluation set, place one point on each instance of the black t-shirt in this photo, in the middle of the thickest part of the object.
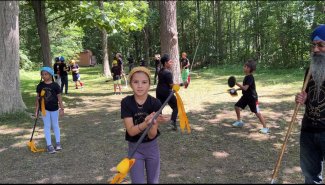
(184, 62)
(62, 72)
(129, 108)
(51, 92)
(251, 91)
(165, 78)
(116, 70)
(314, 117)
(56, 68)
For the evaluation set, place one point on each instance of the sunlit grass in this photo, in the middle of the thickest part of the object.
(208, 85)
(213, 153)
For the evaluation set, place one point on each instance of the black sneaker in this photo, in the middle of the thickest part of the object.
(50, 149)
(58, 147)
(174, 126)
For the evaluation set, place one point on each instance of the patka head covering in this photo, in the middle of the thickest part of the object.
(318, 33)
(48, 69)
(139, 69)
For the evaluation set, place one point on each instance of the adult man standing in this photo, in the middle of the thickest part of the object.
(312, 137)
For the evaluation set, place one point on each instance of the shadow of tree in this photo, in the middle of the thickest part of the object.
(92, 137)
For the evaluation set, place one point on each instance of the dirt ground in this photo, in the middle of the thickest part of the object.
(92, 137)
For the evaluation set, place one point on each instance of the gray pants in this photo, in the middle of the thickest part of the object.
(147, 157)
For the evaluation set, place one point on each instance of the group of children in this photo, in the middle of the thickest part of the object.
(137, 110)
(61, 70)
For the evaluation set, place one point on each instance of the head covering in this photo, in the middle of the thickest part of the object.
(139, 69)
(165, 58)
(48, 69)
(57, 59)
(318, 33)
(61, 58)
(114, 63)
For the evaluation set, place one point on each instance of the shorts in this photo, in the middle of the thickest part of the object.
(185, 73)
(117, 82)
(251, 102)
(117, 79)
(76, 77)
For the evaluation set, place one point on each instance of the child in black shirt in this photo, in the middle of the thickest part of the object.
(137, 111)
(116, 71)
(164, 87)
(49, 101)
(249, 97)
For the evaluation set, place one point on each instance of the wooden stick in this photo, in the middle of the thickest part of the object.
(278, 162)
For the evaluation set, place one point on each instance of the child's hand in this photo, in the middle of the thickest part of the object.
(163, 118)
(61, 112)
(148, 119)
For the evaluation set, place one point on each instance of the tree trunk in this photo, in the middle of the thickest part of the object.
(41, 22)
(219, 32)
(11, 99)
(106, 68)
(168, 35)
(137, 47)
(146, 44)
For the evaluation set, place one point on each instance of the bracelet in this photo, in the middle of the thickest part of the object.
(139, 128)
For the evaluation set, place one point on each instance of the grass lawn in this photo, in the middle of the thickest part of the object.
(92, 133)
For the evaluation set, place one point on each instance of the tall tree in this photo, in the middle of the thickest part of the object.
(11, 99)
(107, 71)
(114, 17)
(41, 22)
(169, 35)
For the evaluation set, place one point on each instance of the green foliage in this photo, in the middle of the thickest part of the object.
(92, 42)
(66, 41)
(116, 16)
(28, 36)
(276, 33)
(24, 62)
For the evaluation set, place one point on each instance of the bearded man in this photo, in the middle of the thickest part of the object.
(312, 137)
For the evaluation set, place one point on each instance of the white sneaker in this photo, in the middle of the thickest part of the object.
(264, 130)
(238, 124)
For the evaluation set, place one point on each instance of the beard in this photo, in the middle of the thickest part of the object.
(318, 70)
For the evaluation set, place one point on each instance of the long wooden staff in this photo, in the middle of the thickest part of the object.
(278, 162)
(126, 164)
